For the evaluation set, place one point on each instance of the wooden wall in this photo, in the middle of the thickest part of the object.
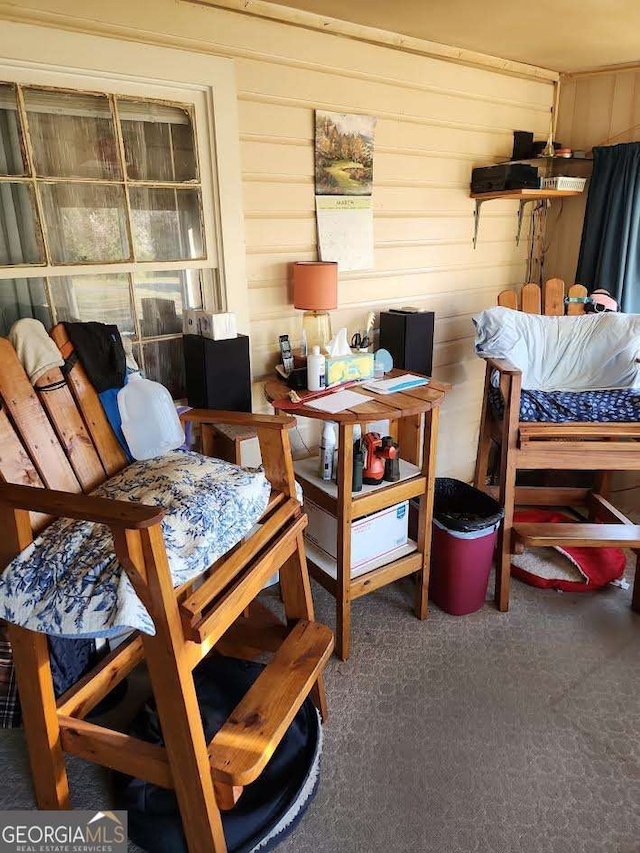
(592, 109)
(436, 120)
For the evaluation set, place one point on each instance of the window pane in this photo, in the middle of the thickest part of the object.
(158, 141)
(22, 297)
(20, 235)
(164, 362)
(166, 224)
(161, 297)
(86, 223)
(12, 159)
(72, 135)
(102, 298)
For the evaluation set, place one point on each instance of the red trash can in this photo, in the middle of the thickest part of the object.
(465, 530)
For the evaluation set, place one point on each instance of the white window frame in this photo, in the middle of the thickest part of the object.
(82, 62)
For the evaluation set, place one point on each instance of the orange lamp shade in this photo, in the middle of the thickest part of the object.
(315, 286)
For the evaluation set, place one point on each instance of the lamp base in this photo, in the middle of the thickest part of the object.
(317, 325)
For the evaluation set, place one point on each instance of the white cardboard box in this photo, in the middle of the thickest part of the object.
(219, 326)
(371, 537)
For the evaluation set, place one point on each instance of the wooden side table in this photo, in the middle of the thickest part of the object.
(413, 417)
(224, 441)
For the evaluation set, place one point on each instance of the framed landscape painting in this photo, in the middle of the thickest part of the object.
(344, 153)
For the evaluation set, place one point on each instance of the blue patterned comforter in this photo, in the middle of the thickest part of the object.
(68, 581)
(619, 406)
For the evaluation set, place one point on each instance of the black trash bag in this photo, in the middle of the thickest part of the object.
(270, 806)
(459, 506)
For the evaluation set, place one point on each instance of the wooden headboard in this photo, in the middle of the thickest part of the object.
(548, 299)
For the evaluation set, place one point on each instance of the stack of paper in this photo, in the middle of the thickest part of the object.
(398, 383)
(338, 401)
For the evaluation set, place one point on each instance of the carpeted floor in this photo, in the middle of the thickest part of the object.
(488, 733)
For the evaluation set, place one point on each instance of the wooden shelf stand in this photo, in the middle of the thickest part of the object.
(413, 416)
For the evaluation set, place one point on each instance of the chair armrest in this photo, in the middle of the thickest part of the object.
(502, 365)
(273, 435)
(114, 513)
(213, 416)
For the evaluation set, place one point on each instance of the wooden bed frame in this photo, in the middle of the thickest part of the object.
(55, 445)
(528, 446)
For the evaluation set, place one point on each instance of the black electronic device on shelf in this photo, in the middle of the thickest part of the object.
(505, 176)
(522, 145)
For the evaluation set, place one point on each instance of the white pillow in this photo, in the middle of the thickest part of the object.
(579, 353)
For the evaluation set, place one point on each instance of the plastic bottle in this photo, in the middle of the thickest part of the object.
(150, 422)
(336, 449)
(358, 458)
(327, 448)
(358, 468)
(315, 370)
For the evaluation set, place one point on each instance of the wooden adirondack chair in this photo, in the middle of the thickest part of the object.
(56, 445)
(603, 447)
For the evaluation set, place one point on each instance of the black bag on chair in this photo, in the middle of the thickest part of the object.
(268, 809)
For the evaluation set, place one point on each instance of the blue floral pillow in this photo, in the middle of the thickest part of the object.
(69, 583)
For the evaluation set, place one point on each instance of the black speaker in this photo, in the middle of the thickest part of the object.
(218, 373)
(409, 338)
(522, 145)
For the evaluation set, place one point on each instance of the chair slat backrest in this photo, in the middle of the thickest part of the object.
(530, 299)
(508, 299)
(548, 300)
(576, 291)
(16, 467)
(67, 421)
(47, 432)
(553, 302)
(32, 425)
(106, 444)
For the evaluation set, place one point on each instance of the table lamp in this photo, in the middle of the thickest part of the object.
(315, 291)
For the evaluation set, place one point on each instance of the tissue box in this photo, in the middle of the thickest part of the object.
(345, 368)
(218, 326)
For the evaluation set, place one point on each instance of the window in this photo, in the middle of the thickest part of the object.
(101, 218)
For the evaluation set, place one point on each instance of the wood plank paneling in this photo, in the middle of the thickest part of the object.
(428, 138)
(593, 108)
(330, 88)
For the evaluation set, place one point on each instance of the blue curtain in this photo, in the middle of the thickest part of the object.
(610, 247)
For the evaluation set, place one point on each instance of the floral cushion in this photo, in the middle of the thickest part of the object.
(68, 581)
(621, 405)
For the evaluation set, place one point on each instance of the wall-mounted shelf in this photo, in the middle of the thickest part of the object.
(545, 157)
(545, 161)
(526, 195)
(523, 196)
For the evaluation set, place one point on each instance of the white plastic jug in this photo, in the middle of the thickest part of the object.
(150, 422)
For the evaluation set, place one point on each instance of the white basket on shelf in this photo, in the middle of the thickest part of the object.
(564, 183)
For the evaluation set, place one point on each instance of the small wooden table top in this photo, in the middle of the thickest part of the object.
(413, 401)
